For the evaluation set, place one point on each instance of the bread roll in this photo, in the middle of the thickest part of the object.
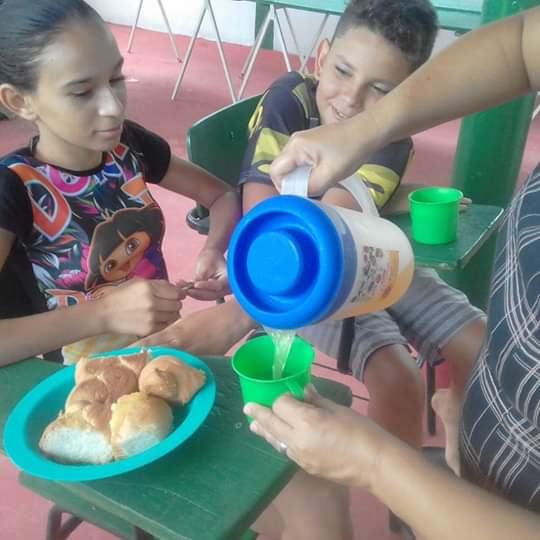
(169, 378)
(87, 368)
(89, 391)
(72, 439)
(118, 377)
(138, 422)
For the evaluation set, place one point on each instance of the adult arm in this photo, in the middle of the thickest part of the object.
(484, 68)
(337, 443)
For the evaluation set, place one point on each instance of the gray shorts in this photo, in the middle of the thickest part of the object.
(428, 316)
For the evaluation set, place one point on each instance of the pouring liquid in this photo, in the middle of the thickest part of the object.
(282, 340)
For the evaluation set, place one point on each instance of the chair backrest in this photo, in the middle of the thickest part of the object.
(218, 141)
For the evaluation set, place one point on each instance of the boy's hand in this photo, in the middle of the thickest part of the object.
(140, 306)
(212, 330)
(464, 203)
(210, 281)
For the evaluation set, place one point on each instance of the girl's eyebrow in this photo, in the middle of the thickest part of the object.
(118, 66)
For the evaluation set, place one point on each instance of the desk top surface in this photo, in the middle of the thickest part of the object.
(457, 15)
(212, 487)
(475, 226)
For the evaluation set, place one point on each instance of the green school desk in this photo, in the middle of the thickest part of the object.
(475, 226)
(210, 488)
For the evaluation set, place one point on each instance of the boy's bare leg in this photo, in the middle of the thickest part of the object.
(396, 393)
(461, 354)
(308, 508)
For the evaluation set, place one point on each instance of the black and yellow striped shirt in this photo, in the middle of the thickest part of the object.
(289, 106)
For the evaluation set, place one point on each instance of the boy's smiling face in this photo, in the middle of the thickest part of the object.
(355, 71)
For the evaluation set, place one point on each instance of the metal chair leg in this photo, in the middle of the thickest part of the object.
(207, 6)
(255, 51)
(165, 19)
(282, 42)
(305, 58)
(134, 27)
(189, 52)
(345, 345)
(171, 35)
(293, 34)
(222, 53)
(252, 56)
(430, 391)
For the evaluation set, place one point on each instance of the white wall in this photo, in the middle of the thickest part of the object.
(235, 19)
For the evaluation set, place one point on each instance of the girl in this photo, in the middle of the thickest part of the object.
(82, 176)
(65, 201)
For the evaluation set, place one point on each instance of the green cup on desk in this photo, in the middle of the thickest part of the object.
(434, 214)
(253, 363)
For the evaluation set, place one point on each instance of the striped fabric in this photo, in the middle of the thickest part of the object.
(428, 316)
(500, 432)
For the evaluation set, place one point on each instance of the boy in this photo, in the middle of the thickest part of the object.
(377, 44)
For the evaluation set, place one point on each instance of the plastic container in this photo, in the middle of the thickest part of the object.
(294, 262)
(253, 363)
(434, 214)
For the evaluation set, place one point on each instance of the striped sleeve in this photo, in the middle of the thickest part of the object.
(278, 115)
(383, 171)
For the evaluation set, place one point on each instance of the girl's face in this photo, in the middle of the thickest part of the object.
(80, 99)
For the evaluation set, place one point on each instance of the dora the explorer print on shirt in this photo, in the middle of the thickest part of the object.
(89, 230)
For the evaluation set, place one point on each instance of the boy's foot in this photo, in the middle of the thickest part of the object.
(448, 408)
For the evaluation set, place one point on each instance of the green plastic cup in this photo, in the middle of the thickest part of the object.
(434, 214)
(253, 363)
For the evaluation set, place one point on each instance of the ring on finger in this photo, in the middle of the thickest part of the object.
(282, 448)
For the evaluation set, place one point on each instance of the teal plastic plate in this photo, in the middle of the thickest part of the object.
(42, 404)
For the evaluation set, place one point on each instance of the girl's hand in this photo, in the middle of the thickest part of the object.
(324, 438)
(210, 282)
(140, 306)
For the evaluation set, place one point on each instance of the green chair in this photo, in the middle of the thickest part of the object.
(217, 143)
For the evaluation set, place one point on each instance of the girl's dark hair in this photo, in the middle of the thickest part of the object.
(26, 28)
(410, 25)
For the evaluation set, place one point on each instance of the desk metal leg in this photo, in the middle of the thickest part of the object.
(139, 534)
(307, 56)
(165, 19)
(55, 529)
(206, 7)
(252, 56)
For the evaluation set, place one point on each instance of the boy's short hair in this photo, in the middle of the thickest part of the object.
(410, 25)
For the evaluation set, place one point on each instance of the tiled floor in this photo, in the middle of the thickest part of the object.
(151, 71)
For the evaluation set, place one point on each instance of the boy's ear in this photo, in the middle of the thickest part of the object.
(322, 52)
(16, 102)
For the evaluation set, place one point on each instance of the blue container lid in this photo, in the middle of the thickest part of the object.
(285, 262)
